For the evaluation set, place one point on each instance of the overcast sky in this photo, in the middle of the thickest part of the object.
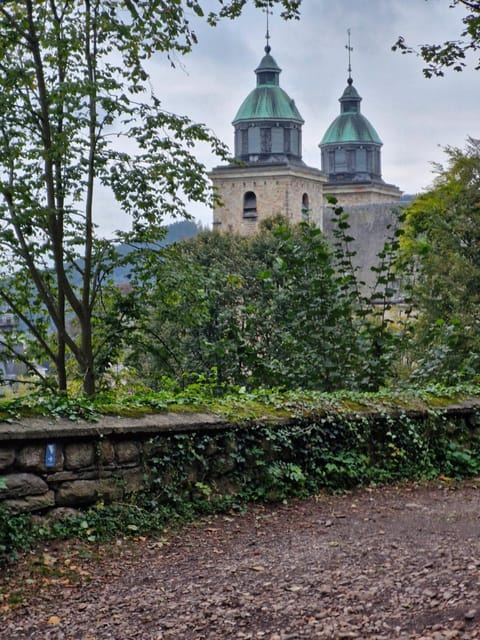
(414, 117)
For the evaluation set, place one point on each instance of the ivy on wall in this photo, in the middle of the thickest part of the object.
(204, 472)
(333, 452)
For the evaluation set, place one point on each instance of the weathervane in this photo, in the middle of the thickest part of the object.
(350, 49)
(267, 35)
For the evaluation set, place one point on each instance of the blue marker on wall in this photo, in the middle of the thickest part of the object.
(51, 455)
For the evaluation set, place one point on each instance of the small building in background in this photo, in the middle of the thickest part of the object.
(10, 368)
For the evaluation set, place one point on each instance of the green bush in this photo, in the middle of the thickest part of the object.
(333, 452)
(16, 533)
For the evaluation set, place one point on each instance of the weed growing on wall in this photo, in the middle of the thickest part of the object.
(334, 452)
(16, 533)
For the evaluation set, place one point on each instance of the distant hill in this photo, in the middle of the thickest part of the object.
(180, 231)
(176, 232)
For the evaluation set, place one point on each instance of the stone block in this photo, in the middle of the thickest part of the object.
(231, 444)
(19, 485)
(66, 476)
(110, 489)
(61, 514)
(473, 420)
(31, 503)
(7, 458)
(62, 476)
(79, 455)
(212, 448)
(193, 474)
(106, 452)
(32, 458)
(222, 465)
(225, 487)
(82, 492)
(150, 447)
(78, 492)
(133, 480)
(127, 452)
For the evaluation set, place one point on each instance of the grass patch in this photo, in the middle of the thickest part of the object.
(234, 404)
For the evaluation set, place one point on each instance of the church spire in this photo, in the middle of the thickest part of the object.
(350, 49)
(267, 34)
(268, 126)
(351, 146)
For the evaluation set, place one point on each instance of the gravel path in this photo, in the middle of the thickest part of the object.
(387, 563)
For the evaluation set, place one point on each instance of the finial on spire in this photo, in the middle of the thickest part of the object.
(267, 35)
(349, 49)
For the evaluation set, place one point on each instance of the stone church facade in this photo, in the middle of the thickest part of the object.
(268, 176)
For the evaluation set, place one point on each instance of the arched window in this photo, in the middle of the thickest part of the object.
(305, 207)
(249, 205)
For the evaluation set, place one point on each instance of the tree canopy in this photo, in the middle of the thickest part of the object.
(280, 308)
(442, 238)
(451, 54)
(77, 111)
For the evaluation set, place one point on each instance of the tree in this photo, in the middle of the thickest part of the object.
(452, 53)
(281, 308)
(442, 244)
(302, 320)
(75, 93)
(193, 297)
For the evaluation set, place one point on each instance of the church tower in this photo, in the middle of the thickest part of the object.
(268, 176)
(268, 126)
(351, 146)
(351, 159)
(351, 154)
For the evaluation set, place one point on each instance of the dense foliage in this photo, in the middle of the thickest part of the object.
(334, 451)
(442, 246)
(75, 93)
(281, 308)
(334, 443)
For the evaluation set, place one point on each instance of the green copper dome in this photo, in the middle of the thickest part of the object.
(350, 125)
(268, 126)
(268, 100)
(351, 148)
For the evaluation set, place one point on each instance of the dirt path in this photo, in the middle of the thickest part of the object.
(401, 562)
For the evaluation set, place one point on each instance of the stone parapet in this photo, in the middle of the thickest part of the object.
(47, 464)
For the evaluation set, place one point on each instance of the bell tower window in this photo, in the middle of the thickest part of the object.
(250, 205)
(305, 207)
(266, 139)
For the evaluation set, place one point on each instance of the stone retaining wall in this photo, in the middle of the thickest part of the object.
(46, 464)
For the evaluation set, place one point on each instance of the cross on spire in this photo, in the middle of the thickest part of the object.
(349, 49)
(267, 35)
